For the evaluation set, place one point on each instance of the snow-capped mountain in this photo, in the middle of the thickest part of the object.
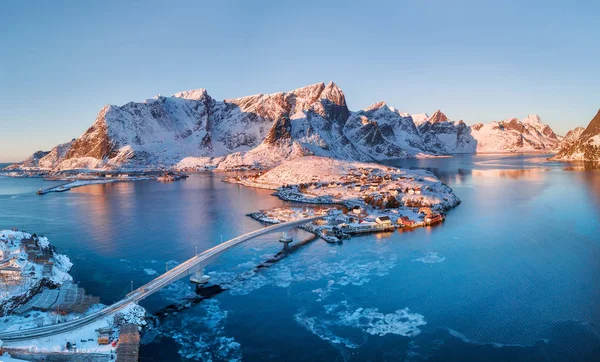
(383, 131)
(254, 130)
(440, 135)
(44, 159)
(191, 130)
(513, 135)
(585, 147)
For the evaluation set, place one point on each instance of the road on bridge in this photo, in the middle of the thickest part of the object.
(149, 288)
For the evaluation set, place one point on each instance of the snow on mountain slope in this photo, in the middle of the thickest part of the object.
(54, 156)
(385, 132)
(192, 130)
(513, 135)
(306, 121)
(30, 162)
(572, 136)
(191, 125)
(419, 118)
(440, 135)
(44, 160)
(158, 131)
(586, 147)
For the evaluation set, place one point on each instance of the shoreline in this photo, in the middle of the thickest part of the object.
(52, 299)
(357, 198)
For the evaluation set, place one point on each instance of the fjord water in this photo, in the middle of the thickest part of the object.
(512, 274)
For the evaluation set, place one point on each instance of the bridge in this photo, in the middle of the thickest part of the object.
(150, 288)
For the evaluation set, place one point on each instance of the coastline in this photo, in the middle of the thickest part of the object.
(356, 197)
(40, 292)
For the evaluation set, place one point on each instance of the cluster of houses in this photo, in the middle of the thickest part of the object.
(11, 263)
(429, 217)
(378, 200)
(382, 190)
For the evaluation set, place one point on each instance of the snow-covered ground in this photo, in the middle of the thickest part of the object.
(26, 275)
(370, 197)
(86, 338)
(326, 180)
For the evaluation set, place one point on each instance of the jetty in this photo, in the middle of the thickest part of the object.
(59, 188)
(128, 347)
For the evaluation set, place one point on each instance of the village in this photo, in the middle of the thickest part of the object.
(37, 290)
(356, 198)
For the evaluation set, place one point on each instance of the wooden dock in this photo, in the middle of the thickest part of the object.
(59, 188)
(128, 346)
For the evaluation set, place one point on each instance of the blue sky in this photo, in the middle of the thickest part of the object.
(479, 61)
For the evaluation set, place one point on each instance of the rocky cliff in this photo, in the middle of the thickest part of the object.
(585, 147)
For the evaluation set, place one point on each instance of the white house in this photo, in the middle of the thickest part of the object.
(384, 220)
(357, 210)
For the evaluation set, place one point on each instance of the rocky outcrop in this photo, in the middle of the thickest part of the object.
(572, 136)
(442, 136)
(585, 147)
(384, 132)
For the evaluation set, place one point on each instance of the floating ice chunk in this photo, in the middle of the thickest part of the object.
(149, 271)
(401, 322)
(430, 258)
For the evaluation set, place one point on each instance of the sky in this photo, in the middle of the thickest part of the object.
(479, 61)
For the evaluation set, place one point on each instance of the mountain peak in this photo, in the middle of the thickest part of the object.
(376, 106)
(334, 94)
(593, 129)
(533, 119)
(194, 94)
(438, 116)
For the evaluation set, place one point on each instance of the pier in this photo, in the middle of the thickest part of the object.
(128, 347)
(59, 188)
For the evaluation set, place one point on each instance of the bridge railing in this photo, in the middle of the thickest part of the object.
(168, 276)
(148, 288)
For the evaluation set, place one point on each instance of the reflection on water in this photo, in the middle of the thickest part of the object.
(531, 174)
(512, 273)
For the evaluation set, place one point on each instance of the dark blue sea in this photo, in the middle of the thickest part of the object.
(513, 274)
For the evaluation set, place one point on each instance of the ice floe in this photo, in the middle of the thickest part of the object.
(202, 336)
(331, 325)
(430, 258)
(149, 271)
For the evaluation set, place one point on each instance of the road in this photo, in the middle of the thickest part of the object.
(148, 289)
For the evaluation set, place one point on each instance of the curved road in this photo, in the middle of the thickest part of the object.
(148, 289)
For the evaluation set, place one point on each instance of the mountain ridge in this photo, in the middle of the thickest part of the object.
(191, 129)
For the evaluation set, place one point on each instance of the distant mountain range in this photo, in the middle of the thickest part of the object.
(192, 130)
(581, 144)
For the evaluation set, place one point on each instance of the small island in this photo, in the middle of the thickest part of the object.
(355, 197)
